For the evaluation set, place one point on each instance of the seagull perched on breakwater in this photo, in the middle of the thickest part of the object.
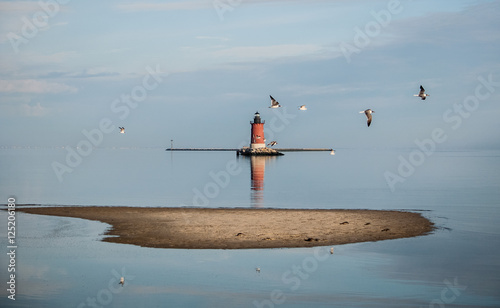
(368, 113)
(122, 130)
(303, 107)
(274, 103)
(122, 281)
(422, 94)
(272, 143)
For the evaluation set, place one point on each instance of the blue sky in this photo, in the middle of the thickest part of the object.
(220, 61)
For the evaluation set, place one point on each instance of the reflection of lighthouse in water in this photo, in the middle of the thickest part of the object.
(258, 168)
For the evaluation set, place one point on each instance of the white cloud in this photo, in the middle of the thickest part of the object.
(12, 62)
(477, 23)
(33, 111)
(33, 86)
(333, 89)
(215, 38)
(58, 57)
(262, 53)
(11, 14)
(14, 15)
(171, 6)
(23, 106)
(18, 6)
(196, 5)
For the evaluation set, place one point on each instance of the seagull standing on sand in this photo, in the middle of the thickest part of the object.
(122, 281)
(368, 113)
(274, 103)
(422, 94)
(303, 107)
(122, 130)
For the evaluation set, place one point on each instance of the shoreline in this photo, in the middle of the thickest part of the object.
(244, 228)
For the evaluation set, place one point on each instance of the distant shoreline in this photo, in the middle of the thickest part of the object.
(242, 228)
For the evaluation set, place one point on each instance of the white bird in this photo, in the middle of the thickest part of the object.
(332, 152)
(257, 269)
(272, 143)
(368, 113)
(122, 130)
(422, 94)
(122, 281)
(331, 251)
(303, 107)
(274, 103)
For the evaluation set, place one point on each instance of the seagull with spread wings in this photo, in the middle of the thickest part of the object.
(422, 93)
(368, 113)
(274, 103)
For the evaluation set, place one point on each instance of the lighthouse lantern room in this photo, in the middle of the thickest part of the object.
(257, 137)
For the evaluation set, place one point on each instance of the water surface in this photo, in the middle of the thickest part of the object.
(62, 263)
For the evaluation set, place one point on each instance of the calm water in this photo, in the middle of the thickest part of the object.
(61, 263)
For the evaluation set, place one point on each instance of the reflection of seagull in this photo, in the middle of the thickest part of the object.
(422, 94)
(122, 281)
(122, 130)
(272, 143)
(368, 113)
(303, 107)
(274, 103)
(257, 269)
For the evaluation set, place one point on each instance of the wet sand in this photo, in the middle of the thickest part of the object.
(240, 228)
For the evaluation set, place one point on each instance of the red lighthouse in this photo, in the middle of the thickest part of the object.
(257, 137)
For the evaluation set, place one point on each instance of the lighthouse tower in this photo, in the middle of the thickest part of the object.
(257, 137)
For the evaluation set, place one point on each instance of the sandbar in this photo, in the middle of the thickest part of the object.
(244, 228)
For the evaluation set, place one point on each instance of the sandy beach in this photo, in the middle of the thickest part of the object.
(237, 228)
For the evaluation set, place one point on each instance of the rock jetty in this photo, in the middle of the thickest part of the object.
(246, 151)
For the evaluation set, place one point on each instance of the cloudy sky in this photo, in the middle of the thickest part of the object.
(196, 71)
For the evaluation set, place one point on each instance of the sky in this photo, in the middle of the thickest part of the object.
(195, 72)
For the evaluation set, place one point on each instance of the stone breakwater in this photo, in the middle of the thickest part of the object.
(258, 152)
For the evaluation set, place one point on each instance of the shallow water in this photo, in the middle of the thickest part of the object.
(61, 263)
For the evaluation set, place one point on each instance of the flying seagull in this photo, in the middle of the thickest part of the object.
(122, 130)
(272, 143)
(368, 113)
(303, 107)
(274, 103)
(422, 94)
(122, 281)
